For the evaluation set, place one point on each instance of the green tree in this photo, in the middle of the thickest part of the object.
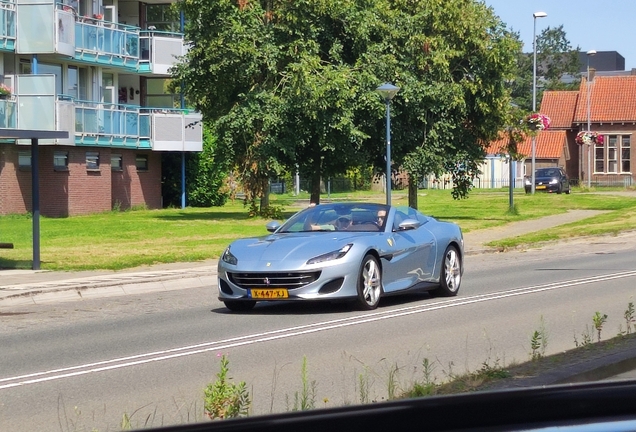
(290, 85)
(205, 175)
(451, 59)
(557, 67)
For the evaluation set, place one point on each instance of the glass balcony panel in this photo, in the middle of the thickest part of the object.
(7, 20)
(107, 38)
(115, 122)
(144, 126)
(35, 28)
(8, 114)
(36, 95)
(132, 124)
(36, 85)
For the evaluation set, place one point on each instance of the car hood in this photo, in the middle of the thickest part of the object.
(544, 179)
(291, 247)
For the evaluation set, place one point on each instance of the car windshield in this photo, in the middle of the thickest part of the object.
(338, 217)
(547, 172)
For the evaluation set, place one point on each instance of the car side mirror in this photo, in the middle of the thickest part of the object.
(272, 226)
(408, 224)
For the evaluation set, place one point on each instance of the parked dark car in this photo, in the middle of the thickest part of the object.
(551, 179)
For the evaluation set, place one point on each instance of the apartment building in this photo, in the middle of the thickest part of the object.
(98, 69)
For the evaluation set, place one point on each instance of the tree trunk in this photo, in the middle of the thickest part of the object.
(412, 191)
(315, 183)
(265, 194)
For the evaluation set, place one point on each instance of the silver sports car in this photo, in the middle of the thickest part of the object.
(343, 251)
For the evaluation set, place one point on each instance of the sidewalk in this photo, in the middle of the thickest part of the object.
(28, 287)
(19, 287)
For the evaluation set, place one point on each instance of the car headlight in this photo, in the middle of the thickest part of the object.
(331, 255)
(554, 181)
(228, 257)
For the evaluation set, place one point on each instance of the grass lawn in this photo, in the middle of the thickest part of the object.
(117, 240)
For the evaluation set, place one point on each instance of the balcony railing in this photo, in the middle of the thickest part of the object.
(107, 38)
(175, 129)
(110, 124)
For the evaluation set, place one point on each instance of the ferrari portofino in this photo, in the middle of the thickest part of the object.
(355, 252)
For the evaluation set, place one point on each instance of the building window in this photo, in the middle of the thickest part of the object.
(614, 157)
(599, 158)
(92, 160)
(162, 17)
(141, 162)
(60, 161)
(626, 154)
(116, 162)
(24, 159)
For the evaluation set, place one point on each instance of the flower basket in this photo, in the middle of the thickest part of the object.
(5, 91)
(536, 122)
(585, 137)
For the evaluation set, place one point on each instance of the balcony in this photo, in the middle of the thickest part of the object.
(27, 28)
(34, 105)
(107, 43)
(111, 125)
(159, 51)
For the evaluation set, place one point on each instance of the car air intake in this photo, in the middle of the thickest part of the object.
(289, 280)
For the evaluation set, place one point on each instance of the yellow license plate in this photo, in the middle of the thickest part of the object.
(269, 294)
(541, 187)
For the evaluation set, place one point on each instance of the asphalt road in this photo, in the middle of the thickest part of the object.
(82, 365)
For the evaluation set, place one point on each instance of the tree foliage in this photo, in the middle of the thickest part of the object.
(290, 84)
(206, 173)
(557, 68)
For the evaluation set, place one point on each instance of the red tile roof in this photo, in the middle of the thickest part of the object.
(560, 107)
(613, 100)
(550, 144)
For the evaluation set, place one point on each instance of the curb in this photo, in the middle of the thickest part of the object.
(105, 286)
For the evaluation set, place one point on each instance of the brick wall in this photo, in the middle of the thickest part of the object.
(15, 184)
(131, 187)
(79, 190)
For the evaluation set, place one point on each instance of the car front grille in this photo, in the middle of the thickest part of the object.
(289, 280)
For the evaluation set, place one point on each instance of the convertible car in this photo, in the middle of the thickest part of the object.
(356, 252)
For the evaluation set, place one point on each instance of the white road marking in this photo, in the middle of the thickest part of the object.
(156, 356)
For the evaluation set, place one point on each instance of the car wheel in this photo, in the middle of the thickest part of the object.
(560, 189)
(369, 283)
(567, 192)
(451, 273)
(239, 306)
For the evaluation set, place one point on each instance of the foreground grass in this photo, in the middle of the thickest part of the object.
(118, 240)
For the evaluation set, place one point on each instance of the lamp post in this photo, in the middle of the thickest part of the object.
(590, 53)
(534, 88)
(387, 91)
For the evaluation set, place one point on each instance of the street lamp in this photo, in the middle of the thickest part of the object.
(590, 53)
(534, 88)
(387, 91)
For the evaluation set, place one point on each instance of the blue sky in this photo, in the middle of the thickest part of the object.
(605, 25)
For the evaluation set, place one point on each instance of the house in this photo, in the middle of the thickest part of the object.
(98, 69)
(612, 114)
(551, 149)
